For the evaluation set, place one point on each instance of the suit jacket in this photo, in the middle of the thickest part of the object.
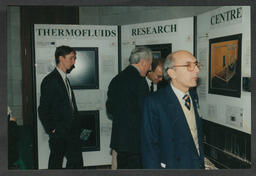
(126, 94)
(166, 140)
(55, 111)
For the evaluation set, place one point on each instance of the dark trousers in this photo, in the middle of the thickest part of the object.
(128, 161)
(70, 147)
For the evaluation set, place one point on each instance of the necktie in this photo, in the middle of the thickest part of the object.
(66, 80)
(69, 93)
(152, 87)
(187, 101)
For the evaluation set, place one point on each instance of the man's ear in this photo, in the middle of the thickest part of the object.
(61, 58)
(143, 62)
(171, 73)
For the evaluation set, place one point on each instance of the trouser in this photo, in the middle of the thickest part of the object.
(127, 160)
(70, 147)
(114, 160)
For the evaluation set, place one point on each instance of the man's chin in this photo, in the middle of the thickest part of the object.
(194, 84)
(71, 68)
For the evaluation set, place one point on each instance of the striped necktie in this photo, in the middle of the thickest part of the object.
(187, 101)
(69, 93)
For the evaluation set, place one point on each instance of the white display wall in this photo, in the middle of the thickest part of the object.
(178, 32)
(47, 38)
(225, 21)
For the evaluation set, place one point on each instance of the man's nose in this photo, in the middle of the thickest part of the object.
(197, 69)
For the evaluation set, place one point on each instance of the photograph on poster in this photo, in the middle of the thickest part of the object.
(90, 133)
(225, 65)
(85, 75)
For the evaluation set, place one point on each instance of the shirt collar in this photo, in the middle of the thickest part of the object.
(148, 81)
(178, 92)
(63, 75)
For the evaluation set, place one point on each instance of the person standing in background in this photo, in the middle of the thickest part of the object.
(58, 113)
(155, 75)
(13, 137)
(126, 94)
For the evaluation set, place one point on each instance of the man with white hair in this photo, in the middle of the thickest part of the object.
(126, 94)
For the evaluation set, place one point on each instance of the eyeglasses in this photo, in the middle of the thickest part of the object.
(190, 66)
(159, 76)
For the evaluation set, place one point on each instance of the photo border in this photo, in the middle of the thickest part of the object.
(3, 88)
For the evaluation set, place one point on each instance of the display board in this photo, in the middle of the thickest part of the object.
(176, 33)
(96, 65)
(224, 49)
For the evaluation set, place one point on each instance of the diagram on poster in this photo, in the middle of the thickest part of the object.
(86, 74)
(225, 65)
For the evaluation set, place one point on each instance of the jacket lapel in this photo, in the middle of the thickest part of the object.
(179, 116)
(198, 124)
(62, 85)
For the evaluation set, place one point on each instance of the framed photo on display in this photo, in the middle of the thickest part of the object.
(85, 75)
(90, 134)
(225, 65)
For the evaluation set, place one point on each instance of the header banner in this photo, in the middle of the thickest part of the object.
(75, 31)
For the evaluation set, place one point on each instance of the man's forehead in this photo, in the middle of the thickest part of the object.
(158, 68)
(184, 57)
(72, 54)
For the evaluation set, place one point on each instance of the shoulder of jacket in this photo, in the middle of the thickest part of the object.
(50, 77)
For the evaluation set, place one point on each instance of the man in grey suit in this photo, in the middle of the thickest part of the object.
(126, 94)
(58, 113)
(171, 135)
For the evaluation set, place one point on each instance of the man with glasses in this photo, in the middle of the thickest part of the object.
(155, 75)
(171, 134)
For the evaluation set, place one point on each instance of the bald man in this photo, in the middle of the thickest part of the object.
(171, 136)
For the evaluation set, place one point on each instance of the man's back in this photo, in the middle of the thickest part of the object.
(125, 98)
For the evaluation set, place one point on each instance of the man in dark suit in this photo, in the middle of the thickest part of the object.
(171, 134)
(58, 113)
(126, 94)
(155, 75)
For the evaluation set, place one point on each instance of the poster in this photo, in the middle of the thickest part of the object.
(225, 65)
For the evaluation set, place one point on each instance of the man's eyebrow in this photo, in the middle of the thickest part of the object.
(191, 62)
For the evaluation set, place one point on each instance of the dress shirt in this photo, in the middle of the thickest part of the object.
(149, 84)
(64, 76)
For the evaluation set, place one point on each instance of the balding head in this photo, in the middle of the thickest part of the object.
(181, 67)
(171, 60)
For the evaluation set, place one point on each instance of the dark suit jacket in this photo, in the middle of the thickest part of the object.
(126, 94)
(55, 111)
(166, 141)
